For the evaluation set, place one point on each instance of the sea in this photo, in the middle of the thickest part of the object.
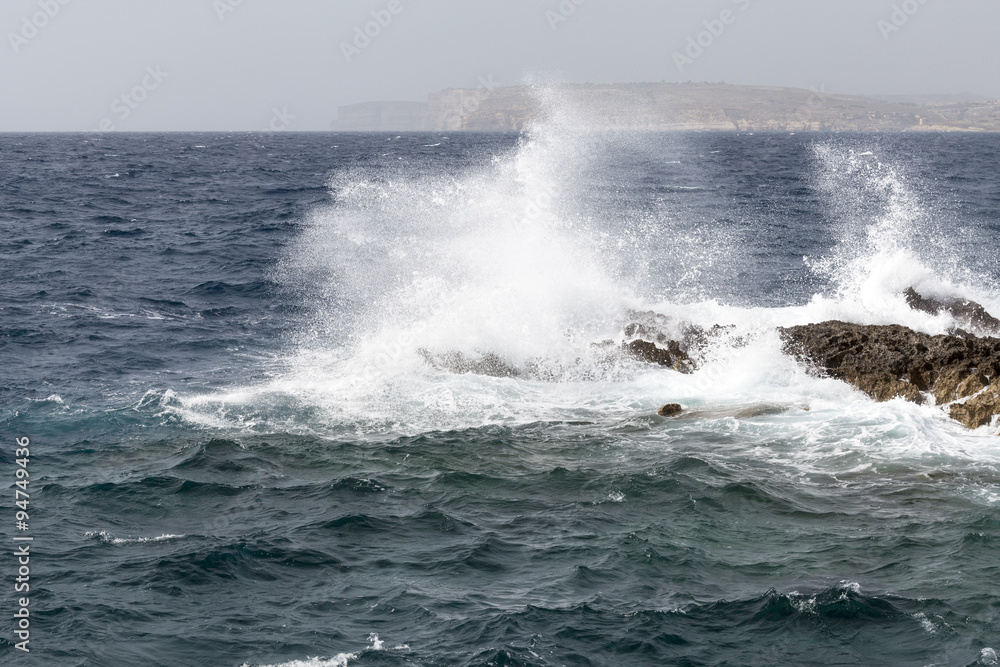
(221, 349)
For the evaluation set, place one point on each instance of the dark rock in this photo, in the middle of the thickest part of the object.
(456, 362)
(657, 339)
(965, 312)
(649, 325)
(672, 356)
(695, 337)
(670, 409)
(643, 331)
(893, 361)
(652, 326)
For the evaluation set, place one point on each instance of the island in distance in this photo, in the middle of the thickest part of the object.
(674, 106)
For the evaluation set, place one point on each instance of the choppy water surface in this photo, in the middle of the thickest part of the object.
(241, 457)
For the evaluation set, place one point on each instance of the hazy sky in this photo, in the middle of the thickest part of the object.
(136, 65)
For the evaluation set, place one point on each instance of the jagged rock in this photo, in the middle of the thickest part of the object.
(670, 409)
(893, 361)
(657, 339)
(644, 331)
(456, 362)
(649, 325)
(884, 388)
(695, 337)
(652, 326)
(672, 357)
(978, 410)
(968, 313)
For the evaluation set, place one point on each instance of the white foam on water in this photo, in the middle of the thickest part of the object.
(51, 398)
(109, 538)
(501, 259)
(339, 660)
(925, 623)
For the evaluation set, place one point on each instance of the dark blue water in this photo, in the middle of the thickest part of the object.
(238, 456)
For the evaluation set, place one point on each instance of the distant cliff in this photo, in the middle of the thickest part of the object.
(665, 106)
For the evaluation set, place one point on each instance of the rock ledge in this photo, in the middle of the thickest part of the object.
(959, 370)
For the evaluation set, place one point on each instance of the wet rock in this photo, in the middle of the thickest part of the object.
(649, 325)
(658, 339)
(455, 362)
(966, 313)
(733, 412)
(695, 337)
(893, 361)
(671, 355)
(670, 409)
(978, 410)
(761, 410)
(652, 326)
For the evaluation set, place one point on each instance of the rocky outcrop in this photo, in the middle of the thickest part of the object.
(968, 314)
(455, 362)
(958, 370)
(671, 355)
(657, 339)
(670, 410)
(649, 337)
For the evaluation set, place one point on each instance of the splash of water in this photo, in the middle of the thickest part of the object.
(506, 258)
(500, 259)
(889, 240)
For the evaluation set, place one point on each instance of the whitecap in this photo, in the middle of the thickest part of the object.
(109, 538)
(339, 660)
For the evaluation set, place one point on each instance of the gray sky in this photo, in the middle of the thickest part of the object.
(247, 64)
